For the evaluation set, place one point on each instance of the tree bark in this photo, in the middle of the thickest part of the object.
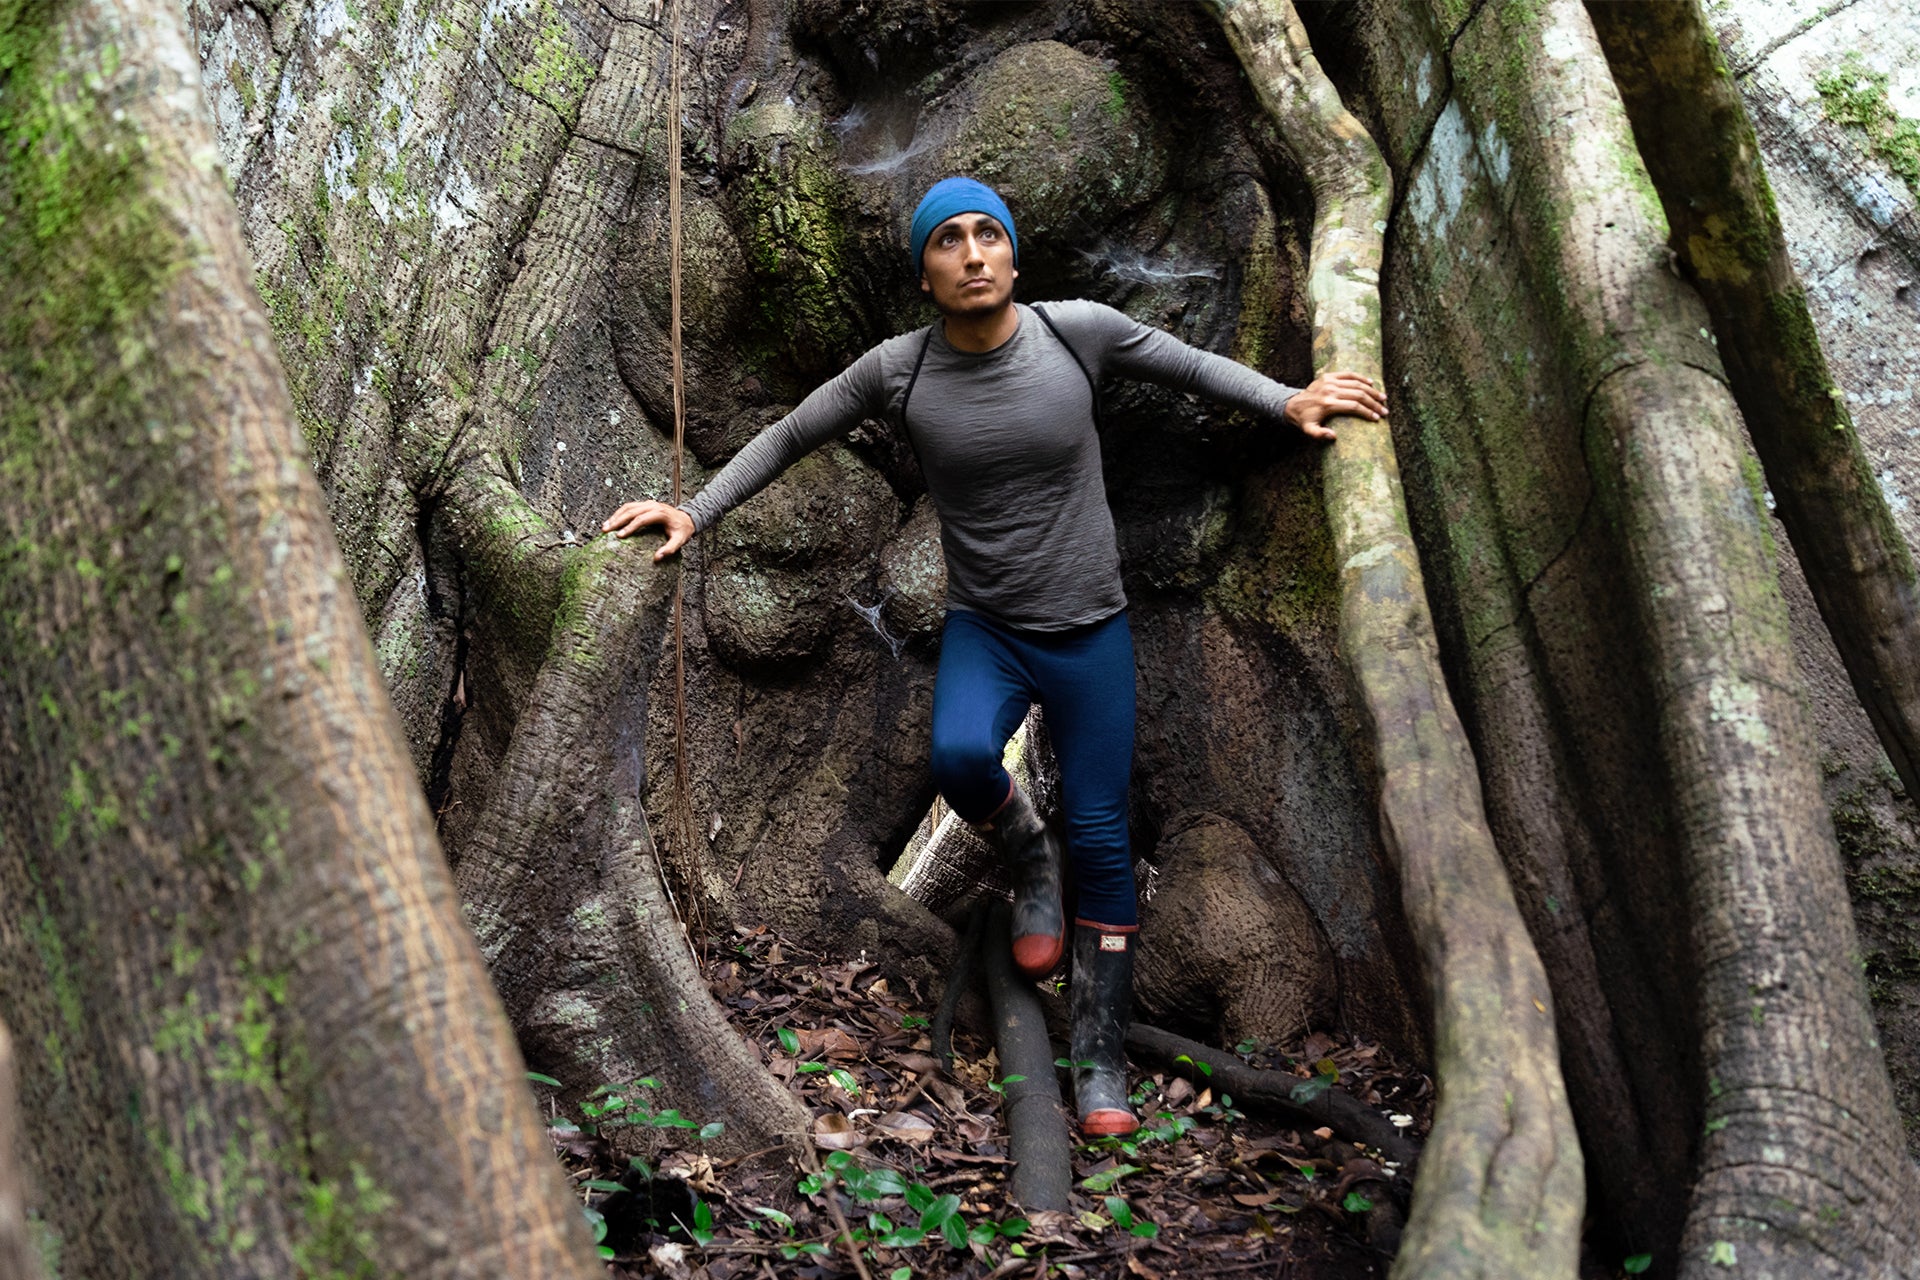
(1501, 1186)
(257, 1026)
(18, 1258)
(1698, 144)
(1801, 1124)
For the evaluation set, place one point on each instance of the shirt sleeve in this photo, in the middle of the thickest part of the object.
(833, 409)
(1122, 345)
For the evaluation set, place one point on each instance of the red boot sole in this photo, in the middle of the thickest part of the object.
(1038, 955)
(1108, 1122)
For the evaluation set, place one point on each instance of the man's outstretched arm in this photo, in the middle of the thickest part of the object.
(1125, 346)
(833, 409)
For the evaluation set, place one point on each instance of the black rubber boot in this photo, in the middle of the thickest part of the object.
(1032, 856)
(1100, 1004)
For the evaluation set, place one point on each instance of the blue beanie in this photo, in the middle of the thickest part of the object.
(958, 195)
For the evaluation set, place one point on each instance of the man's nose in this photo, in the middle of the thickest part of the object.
(974, 251)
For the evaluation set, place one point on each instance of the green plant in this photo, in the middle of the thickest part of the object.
(937, 1217)
(1636, 1264)
(1356, 1203)
(1123, 1217)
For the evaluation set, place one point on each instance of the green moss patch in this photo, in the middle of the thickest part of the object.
(1856, 95)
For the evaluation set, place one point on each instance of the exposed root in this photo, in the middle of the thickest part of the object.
(1036, 1119)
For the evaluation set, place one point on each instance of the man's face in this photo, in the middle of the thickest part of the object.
(967, 267)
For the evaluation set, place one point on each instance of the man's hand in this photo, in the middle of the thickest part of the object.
(1333, 395)
(632, 517)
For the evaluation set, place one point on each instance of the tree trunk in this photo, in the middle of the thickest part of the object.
(1501, 1189)
(1692, 130)
(256, 1025)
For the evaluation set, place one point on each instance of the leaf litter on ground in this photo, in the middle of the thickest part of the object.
(917, 1162)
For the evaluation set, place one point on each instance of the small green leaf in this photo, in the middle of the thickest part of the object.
(1120, 1211)
(919, 1196)
(1718, 1123)
(540, 1078)
(937, 1213)
(982, 1233)
(812, 1185)
(1144, 1229)
(1356, 1203)
(1637, 1263)
(774, 1216)
(703, 1216)
(806, 1067)
(1014, 1227)
(838, 1161)
(955, 1230)
(602, 1184)
(1104, 1180)
(1721, 1254)
(708, 1132)
(788, 1040)
(885, 1182)
(900, 1273)
(1307, 1090)
(606, 1252)
(913, 1022)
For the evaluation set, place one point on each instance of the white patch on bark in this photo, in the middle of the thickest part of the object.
(1495, 154)
(1423, 83)
(342, 155)
(1890, 489)
(1567, 35)
(330, 19)
(1737, 704)
(1440, 187)
(459, 202)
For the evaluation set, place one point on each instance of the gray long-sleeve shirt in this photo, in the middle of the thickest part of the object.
(1007, 444)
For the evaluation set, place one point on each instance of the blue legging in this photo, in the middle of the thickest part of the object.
(1083, 681)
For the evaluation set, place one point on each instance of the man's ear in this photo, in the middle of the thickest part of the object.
(925, 285)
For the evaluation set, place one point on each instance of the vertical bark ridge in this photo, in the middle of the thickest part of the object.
(1699, 146)
(1501, 1186)
(247, 967)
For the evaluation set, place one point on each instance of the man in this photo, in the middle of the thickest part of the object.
(998, 402)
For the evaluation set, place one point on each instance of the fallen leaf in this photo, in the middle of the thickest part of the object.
(1204, 1100)
(1323, 1133)
(920, 1063)
(1178, 1090)
(831, 1041)
(906, 1126)
(1254, 1202)
(775, 955)
(834, 1132)
(1139, 1268)
(671, 1259)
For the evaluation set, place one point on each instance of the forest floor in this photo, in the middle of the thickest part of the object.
(914, 1160)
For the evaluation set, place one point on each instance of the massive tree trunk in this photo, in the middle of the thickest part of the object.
(1501, 1188)
(259, 1038)
(458, 218)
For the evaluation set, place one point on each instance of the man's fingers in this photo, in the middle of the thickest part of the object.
(675, 540)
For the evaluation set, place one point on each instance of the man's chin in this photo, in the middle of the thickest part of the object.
(972, 306)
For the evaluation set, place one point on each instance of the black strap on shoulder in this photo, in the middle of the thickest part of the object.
(1085, 372)
(908, 393)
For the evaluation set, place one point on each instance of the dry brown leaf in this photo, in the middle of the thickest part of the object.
(906, 1126)
(834, 1132)
(920, 1063)
(1178, 1090)
(1254, 1202)
(1139, 1268)
(1323, 1133)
